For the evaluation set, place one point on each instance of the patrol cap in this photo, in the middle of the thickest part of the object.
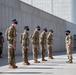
(1, 33)
(15, 21)
(51, 30)
(25, 27)
(45, 29)
(38, 27)
(67, 31)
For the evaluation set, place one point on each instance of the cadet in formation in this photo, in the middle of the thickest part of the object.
(35, 43)
(68, 41)
(49, 43)
(42, 41)
(1, 44)
(24, 39)
(11, 38)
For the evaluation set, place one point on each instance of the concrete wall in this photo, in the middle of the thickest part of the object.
(28, 15)
(74, 11)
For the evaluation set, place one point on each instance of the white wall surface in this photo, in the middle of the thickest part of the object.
(28, 15)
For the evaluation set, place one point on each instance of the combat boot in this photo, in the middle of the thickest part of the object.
(27, 63)
(69, 61)
(43, 59)
(50, 57)
(36, 61)
(13, 65)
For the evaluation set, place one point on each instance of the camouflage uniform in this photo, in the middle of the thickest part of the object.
(49, 44)
(35, 45)
(42, 41)
(69, 47)
(11, 31)
(1, 45)
(25, 43)
(11, 40)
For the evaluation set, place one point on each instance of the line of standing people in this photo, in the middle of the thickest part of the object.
(38, 40)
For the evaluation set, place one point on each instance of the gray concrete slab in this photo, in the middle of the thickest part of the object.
(57, 66)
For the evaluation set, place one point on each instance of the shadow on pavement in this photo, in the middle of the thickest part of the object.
(26, 73)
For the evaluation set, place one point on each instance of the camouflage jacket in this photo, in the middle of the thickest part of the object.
(12, 34)
(68, 40)
(24, 38)
(35, 37)
(49, 38)
(42, 38)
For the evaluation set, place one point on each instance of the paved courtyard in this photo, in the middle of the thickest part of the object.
(57, 66)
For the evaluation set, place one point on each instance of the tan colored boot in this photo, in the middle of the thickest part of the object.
(50, 57)
(27, 63)
(43, 59)
(70, 61)
(10, 66)
(13, 65)
(36, 61)
(24, 62)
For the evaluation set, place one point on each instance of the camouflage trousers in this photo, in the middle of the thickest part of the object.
(25, 53)
(49, 50)
(35, 51)
(1, 49)
(69, 52)
(43, 50)
(11, 56)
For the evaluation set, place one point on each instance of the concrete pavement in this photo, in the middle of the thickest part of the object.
(57, 66)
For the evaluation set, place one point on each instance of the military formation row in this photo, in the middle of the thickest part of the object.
(37, 40)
